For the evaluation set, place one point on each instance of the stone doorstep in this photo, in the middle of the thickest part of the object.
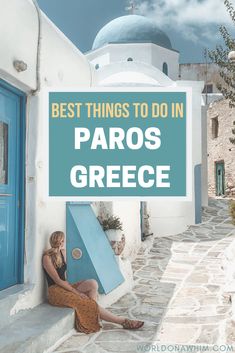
(39, 329)
(8, 299)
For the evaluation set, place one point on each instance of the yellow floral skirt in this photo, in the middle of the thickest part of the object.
(86, 309)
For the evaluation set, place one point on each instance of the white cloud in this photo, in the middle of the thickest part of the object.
(194, 19)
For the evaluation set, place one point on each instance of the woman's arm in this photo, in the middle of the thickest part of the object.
(64, 254)
(49, 267)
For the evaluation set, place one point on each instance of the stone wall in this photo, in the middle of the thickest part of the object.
(220, 148)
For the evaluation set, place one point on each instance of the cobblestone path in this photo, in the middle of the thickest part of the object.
(178, 292)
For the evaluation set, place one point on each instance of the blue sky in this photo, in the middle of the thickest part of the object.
(192, 25)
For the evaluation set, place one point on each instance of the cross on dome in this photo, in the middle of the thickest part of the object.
(132, 7)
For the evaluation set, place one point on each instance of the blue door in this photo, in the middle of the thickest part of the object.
(10, 186)
(220, 178)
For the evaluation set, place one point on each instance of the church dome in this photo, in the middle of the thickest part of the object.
(131, 29)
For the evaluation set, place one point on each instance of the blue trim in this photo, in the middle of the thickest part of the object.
(20, 180)
(197, 192)
(12, 89)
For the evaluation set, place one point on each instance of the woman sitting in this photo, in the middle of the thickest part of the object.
(81, 295)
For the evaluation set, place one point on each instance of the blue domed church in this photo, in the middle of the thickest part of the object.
(135, 39)
(131, 29)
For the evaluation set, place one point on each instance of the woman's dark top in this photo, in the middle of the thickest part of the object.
(60, 270)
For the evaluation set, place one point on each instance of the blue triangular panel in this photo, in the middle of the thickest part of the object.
(98, 260)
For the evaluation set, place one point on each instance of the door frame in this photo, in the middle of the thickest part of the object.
(20, 179)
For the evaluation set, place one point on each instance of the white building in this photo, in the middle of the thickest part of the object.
(207, 72)
(133, 51)
(37, 55)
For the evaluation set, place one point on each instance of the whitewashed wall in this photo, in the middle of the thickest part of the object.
(172, 217)
(171, 57)
(130, 74)
(129, 213)
(147, 53)
(18, 37)
(61, 63)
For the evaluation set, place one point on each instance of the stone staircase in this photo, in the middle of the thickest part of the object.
(34, 330)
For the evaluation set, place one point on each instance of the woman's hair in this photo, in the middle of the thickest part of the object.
(53, 252)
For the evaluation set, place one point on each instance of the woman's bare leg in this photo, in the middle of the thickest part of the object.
(127, 323)
(108, 316)
(89, 287)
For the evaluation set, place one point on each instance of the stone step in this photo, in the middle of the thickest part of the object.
(37, 330)
(8, 300)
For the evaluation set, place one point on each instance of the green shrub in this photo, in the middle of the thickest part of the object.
(111, 222)
(232, 211)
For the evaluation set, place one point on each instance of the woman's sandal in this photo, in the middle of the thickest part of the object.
(132, 324)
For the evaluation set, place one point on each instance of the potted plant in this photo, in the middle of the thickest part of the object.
(113, 229)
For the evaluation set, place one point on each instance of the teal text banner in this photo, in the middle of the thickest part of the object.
(115, 144)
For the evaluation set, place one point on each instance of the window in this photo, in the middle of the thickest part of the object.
(165, 68)
(208, 88)
(97, 66)
(214, 127)
(3, 153)
(129, 59)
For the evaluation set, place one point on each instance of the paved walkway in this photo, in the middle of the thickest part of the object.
(177, 292)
